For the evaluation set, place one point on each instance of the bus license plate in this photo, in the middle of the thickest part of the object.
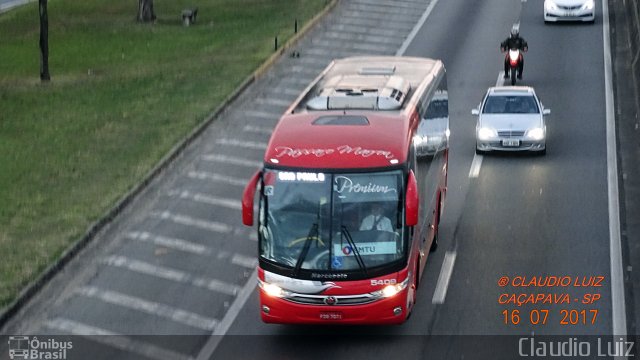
(330, 315)
(510, 142)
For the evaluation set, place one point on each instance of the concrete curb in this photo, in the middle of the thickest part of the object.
(33, 288)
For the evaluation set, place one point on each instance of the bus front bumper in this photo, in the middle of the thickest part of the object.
(391, 310)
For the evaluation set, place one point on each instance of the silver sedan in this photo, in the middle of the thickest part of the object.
(511, 118)
(569, 10)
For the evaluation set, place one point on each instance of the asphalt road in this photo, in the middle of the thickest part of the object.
(178, 261)
(522, 216)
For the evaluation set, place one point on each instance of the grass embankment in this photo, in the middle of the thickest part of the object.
(121, 95)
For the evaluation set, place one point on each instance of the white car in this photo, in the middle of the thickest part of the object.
(511, 118)
(569, 10)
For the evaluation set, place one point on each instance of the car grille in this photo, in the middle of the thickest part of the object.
(340, 300)
(511, 133)
(569, 7)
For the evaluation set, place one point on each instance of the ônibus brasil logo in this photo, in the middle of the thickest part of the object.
(32, 348)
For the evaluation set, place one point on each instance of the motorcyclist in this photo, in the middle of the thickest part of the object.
(514, 41)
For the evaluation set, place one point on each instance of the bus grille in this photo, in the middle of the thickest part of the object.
(340, 300)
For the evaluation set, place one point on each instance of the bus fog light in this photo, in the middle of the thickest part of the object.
(265, 309)
(397, 311)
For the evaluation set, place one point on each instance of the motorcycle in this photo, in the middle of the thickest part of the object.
(514, 63)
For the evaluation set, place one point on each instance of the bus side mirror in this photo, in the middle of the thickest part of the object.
(247, 199)
(411, 204)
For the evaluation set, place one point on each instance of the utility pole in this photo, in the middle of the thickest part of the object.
(44, 42)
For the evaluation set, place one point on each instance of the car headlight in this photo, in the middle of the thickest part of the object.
(536, 134)
(550, 5)
(272, 290)
(486, 133)
(391, 290)
(588, 5)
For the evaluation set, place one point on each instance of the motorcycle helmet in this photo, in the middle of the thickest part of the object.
(514, 32)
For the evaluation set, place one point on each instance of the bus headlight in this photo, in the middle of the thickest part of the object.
(272, 290)
(391, 290)
(536, 134)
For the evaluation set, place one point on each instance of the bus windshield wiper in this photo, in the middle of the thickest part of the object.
(305, 249)
(356, 253)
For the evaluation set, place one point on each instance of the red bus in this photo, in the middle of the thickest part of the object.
(351, 193)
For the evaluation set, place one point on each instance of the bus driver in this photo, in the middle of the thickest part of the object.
(376, 220)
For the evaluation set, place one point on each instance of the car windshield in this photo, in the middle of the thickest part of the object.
(510, 104)
(331, 222)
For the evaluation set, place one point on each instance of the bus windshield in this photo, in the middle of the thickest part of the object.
(331, 221)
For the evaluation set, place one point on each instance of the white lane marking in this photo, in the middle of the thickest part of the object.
(231, 180)
(221, 329)
(171, 274)
(206, 199)
(615, 247)
(305, 70)
(153, 308)
(474, 172)
(261, 114)
(416, 28)
(114, 340)
(476, 163)
(245, 261)
(294, 80)
(171, 243)
(320, 63)
(325, 47)
(412, 5)
(245, 232)
(232, 160)
(354, 20)
(272, 101)
(76, 328)
(444, 278)
(359, 30)
(258, 129)
(500, 79)
(296, 92)
(190, 221)
(244, 144)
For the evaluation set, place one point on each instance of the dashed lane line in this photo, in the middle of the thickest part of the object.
(476, 163)
(114, 340)
(232, 160)
(232, 204)
(254, 145)
(444, 278)
(171, 243)
(205, 175)
(150, 307)
(175, 275)
(258, 129)
(194, 222)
